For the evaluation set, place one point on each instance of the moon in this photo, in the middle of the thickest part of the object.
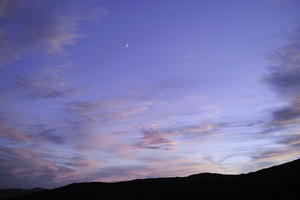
(127, 45)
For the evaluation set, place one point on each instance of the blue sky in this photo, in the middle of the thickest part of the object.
(116, 90)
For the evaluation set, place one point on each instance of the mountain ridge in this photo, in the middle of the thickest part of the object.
(277, 182)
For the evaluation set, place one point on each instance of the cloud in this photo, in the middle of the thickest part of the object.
(79, 162)
(80, 126)
(194, 131)
(168, 138)
(153, 139)
(40, 132)
(12, 133)
(41, 89)
(128, 111)
(29, 26)
(87, 122)
(286, 148)
(288, 114)
(25, 167)
(105, 110)
(8, 52)
(163, 166)
(292, 140)
(7, 7)
(275, 156)
(202, 128)
(284, 78)
(47, 85)
(85, 110)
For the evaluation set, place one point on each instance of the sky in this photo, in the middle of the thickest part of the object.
(113, 90)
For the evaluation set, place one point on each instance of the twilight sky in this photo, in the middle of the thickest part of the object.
(110, 90)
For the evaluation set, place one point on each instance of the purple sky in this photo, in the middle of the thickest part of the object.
(110, 90)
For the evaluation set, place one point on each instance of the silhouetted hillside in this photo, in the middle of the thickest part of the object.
(279, 182)
(5, 193)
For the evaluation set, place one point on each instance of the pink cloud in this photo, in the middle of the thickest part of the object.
(46, 27)
(12, 133)
(153, 139)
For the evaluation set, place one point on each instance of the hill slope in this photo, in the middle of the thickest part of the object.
(5, 193)
(279, 182)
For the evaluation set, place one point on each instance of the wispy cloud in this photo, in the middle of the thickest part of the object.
(19, 164)
(46, 85)
(284, 77)
(29, 26)
(167, 138)
(81, 163)
(153, 139)
(99, 111)
(12, 133)
(42, 133)
(156, 167)
(287, 151)
(86, 122)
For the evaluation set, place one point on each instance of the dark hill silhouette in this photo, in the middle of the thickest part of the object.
(5, 193)
(279, 182)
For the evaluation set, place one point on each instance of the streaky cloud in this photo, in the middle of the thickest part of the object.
(24, 164)
(153, 139)
(31, 26)
(46, 87)
(284, 78)
(42, 133)
(12, 133)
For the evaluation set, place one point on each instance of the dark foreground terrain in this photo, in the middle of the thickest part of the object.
(5, 193)
(279, 182)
